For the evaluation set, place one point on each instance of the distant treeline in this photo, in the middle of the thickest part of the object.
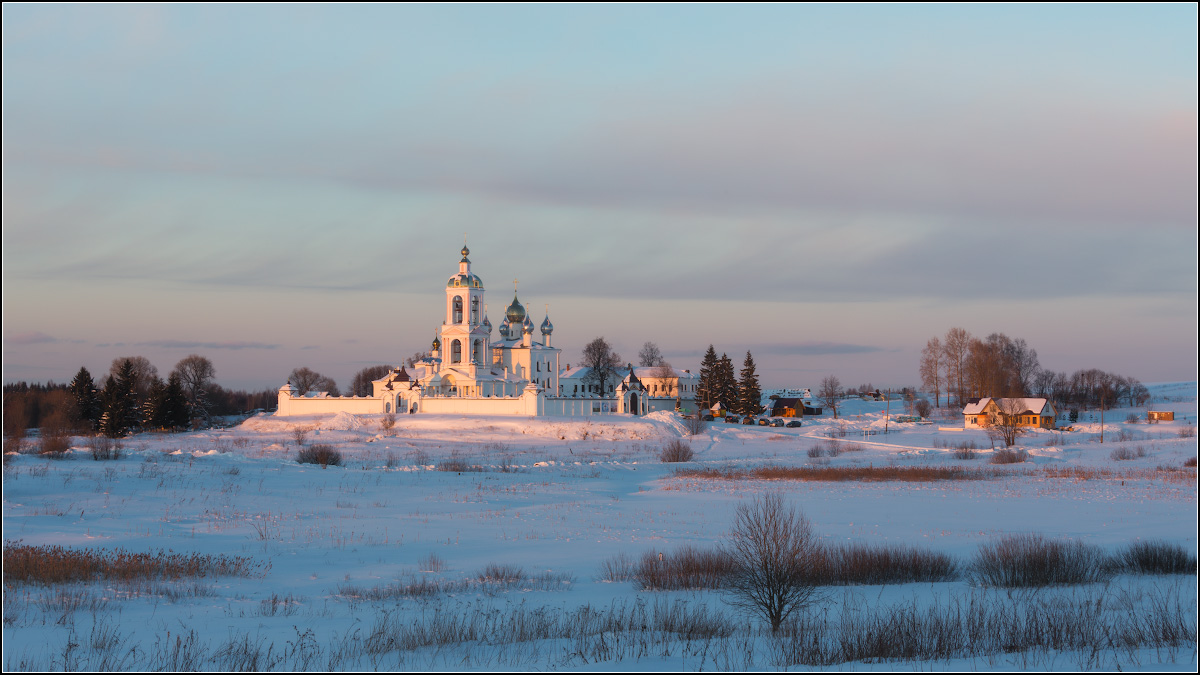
(965, 367)
(131, 397)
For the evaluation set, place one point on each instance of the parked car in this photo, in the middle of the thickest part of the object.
(732, 419)
(777, 422)
(794, 423)
(747, 420)
(708, 417)
(764, 422)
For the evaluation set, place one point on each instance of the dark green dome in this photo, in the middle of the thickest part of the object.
(515, 312)
(464, 281)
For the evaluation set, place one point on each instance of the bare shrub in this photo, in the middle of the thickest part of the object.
(1157, 557)
(1122, 454)
(851, 447)
(432, 563)
(772, 548)
(676, 451)
(695, 424)
(56, 565)
(456, 463)
(687, 567)
(878, 564)
(834, 449)
(1055, 440)
(816, 450)
(1191, 462)
(617, 568)
(104, 448)
(325, 455)
(1009, 456)
(1132, 418)
(501, 574)
(923, 408)
(300, 435)
(419, 458)
(54, 444)
(1031, 560)
(963, 453)
(387, 423)
(1187, 432)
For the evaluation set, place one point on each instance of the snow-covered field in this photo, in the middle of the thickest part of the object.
(559, 498)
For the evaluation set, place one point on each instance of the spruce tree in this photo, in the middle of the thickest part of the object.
(175, 404)
(120, 402)
(152, 407)
(705, 389)
(87, 399)
(726, 383)
(750, 393)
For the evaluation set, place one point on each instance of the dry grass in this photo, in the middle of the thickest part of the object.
(1191, 462)
(57, 565)
(920, 474)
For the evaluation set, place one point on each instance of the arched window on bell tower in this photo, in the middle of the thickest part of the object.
(477, 353)
(458, 309)
(474, 310)
(456, 351)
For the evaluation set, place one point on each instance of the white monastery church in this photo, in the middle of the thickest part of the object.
(470, 371)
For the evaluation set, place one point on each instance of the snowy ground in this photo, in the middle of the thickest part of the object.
(557, 496)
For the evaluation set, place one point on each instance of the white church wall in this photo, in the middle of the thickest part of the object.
(304, 405)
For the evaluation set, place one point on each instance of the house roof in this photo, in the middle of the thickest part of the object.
(1029, 406)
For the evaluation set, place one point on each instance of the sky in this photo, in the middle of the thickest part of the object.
(825, 186)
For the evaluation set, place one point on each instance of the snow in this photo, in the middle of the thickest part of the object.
(558, 495)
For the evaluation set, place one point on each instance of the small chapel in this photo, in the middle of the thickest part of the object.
(471, 371)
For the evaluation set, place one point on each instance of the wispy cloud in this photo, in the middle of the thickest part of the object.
(815, 348)
(186, 344)
(29, 338)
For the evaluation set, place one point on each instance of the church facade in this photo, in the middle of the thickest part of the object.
(471, 371)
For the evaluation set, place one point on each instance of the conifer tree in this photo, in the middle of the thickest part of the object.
(175, 404)
(726, 383)
(120, 402)
(87, 399)
(705, 390)
(750, 393)
(152, 407)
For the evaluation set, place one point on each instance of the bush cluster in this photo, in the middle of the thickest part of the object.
(325, 455)
(676, 451)
(1009, 456)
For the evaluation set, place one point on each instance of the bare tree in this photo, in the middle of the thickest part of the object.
(955, 348)
(932, 361)
(361, 384)
(305, 380)
(1005, 424)
(667, 378)
(773, 550)
(602, 362)
(196, 374)
(418, 356)
(830, 393)
(649, 355)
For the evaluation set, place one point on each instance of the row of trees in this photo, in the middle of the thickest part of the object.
(718, 384)
(1002, 367)
(130, 396)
